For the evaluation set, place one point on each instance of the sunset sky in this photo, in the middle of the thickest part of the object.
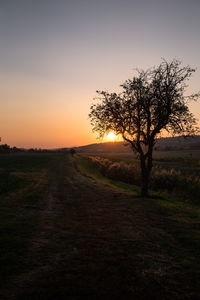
(54, 55)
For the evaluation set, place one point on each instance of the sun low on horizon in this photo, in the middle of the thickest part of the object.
(111, 137)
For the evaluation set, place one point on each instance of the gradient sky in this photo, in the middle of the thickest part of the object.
(55, 54)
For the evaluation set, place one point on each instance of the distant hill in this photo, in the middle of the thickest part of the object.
(178, 143)
(162, 144)
(104, 147)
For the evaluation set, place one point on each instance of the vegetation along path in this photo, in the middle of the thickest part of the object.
(93, 241)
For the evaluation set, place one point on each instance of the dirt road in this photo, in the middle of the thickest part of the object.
(94, 243)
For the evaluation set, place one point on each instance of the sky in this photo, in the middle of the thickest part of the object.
(54, 55)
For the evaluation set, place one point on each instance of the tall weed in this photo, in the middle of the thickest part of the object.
(171, 180)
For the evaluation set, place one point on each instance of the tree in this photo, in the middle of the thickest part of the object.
(150, 103)
(4, 148)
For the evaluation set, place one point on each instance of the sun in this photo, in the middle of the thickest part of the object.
(111, 136)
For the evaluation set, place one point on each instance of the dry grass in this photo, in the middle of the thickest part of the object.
(181, 180)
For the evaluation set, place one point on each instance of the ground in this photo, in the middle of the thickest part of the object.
(93, 241)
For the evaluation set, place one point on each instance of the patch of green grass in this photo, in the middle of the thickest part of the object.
(172, 224)
(178, 223)
(178, 179)
(24, 162)
(16, 230)
(22, 188)
(162, 200)
(18, 222)
(85, 166)
(10, 182)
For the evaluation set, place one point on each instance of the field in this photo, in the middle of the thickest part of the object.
(174, 172)
(22, 187)
(180, 160)
(68, 232)
(166, 156)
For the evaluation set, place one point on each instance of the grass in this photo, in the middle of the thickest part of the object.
(178, 177)
(181, 158)
(130, 156)
(164, 203)
(172, 224)
(95, 242)
(22, 188)
(87, 168)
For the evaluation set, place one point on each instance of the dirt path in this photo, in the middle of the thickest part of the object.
(93, 243)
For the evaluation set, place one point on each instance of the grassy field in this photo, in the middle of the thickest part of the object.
(68, 232)
(22, 186)
(170, 158)
(177, 172)
(187, 161)
(129, 155)
(98, 168)
(172, 224)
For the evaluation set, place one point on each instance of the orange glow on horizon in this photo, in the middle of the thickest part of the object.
(47, 85)
(111, 137)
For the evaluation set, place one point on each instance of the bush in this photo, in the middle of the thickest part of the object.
(175, 181)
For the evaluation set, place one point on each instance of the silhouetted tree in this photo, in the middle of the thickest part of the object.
(4, 148)
(151, 102)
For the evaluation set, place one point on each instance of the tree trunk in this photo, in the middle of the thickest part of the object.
(146, 166)
(145, 182)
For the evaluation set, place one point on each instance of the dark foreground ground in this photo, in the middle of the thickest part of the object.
(66, 236)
